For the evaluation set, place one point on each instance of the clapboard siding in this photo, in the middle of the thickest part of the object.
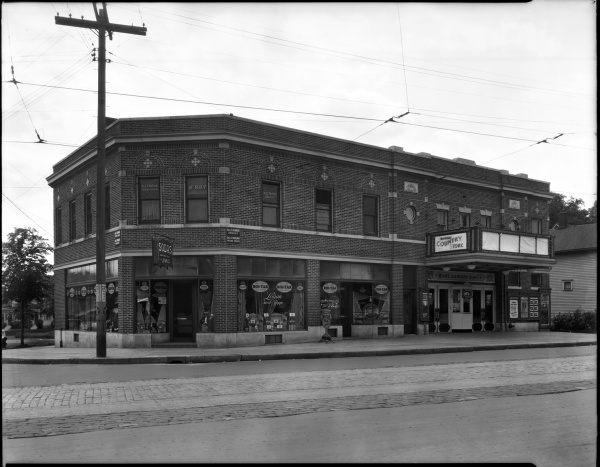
(581, 268)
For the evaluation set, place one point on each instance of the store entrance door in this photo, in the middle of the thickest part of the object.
(462, 310)
(183, 304)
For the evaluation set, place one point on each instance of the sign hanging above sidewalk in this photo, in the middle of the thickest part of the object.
(162, 252)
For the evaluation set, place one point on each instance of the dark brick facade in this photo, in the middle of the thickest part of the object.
(238, 155)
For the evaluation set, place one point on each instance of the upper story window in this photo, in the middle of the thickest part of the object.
(465, 219)
(486, 222)
(58, 233)
(72, 221)
(107, 206)
(536, 280)
(442, 219)
(370, 215)
(514, 225)
(271, 204)
(196, 199)
(87, 213)
(536, 226)
(323, 205)
(567, 285)
(149, 200)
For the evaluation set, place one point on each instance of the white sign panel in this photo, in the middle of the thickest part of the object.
(451, 242)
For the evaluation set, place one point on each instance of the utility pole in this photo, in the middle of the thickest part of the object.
(103, 26)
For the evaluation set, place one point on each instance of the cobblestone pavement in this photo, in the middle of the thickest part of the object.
(74, 408)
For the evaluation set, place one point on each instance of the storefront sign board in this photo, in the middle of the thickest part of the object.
(450, 242)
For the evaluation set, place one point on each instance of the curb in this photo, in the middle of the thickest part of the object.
(289, 356)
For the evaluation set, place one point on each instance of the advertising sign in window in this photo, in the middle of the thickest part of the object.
(514, 307)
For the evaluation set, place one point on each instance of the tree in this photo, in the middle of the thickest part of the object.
(25, 270)
(593, 214)
(576, 214)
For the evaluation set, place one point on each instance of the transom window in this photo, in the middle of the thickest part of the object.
(149, 200)
(271, 204)
(196, 199)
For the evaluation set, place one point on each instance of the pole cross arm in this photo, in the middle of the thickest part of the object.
(84, 23)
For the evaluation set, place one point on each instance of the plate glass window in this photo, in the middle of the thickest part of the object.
(323, 209)
(149, 200)
(196, 199)
(370, 215)
(271, 204)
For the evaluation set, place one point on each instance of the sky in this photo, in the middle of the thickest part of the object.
(508, 85)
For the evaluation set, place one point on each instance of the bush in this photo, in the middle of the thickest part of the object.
(40, 324)
(578, 320)
(16, 324)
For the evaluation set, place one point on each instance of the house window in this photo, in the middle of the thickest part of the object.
(72, 221)
(568, 285)
(465, 219)
(370, 215)
(536, 280)
(271, 204)
(149, 200)
(196, 199)
(514, 279)
(87, 213)
(514, 225)
(486, 222)
(536, 226)
(58, 234)
(107, 206)
(442, 219)
(323, 209)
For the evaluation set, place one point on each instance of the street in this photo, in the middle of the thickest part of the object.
(525, 405)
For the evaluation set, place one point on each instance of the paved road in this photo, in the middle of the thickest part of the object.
(68, 409)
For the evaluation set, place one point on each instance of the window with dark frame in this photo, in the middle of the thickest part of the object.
(465, 219)
(442, 219)
(536, 226)
(58, 234)
(196, 199)
(513, 225)
(87, 213)
(486, 222)
(370, 215)
(271, 206)
(323, 205)
(149, 200)
(514, 279)
(536, 280)
(72, 221)
(107, 206)
(568, 286)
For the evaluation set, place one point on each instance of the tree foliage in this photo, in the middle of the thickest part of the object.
(25, 270)
(574, 207)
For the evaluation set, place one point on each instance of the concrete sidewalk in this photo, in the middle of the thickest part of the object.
(405, 345)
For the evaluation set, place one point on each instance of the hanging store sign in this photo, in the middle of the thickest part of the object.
(457, 276)
(162, 252)
(450, 242)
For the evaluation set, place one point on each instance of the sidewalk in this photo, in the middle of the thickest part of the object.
(406, 345)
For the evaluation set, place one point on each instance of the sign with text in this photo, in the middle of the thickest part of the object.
(450, 242)
(514, 307)
(162, 252)
(233, 235)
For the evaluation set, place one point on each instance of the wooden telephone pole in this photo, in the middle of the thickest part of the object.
(103, 26)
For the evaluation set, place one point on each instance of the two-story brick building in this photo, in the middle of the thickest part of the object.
(274, 229)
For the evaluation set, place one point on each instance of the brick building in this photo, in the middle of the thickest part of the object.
(275, 230)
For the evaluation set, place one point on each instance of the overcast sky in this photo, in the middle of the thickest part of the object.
(484, 82)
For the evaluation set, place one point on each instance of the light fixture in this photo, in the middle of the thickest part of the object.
(471, 266)
(446, 268)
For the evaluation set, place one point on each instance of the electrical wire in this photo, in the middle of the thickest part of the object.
(27, 215)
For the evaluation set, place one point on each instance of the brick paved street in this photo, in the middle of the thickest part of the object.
(53, 410)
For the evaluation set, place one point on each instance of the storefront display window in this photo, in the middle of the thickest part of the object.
(368, 302)
(80, 303)
(271, 305)
(151, 299)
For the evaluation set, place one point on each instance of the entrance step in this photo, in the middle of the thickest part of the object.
(175, 345)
